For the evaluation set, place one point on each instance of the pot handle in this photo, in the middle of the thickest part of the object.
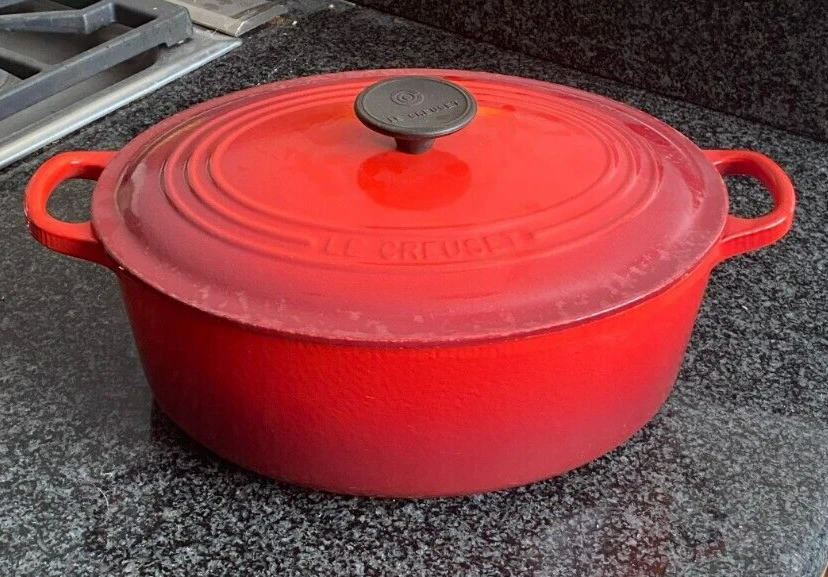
(72, 238)
(746, 234)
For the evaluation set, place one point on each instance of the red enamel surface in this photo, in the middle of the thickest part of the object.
(277, 208)
(393, 421)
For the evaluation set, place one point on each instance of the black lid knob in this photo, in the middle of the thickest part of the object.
(415, 110)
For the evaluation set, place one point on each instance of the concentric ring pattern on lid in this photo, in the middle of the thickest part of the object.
(276, 207)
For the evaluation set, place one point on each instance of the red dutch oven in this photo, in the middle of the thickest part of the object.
(410, 282)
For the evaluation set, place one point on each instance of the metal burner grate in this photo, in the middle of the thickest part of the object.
(66, 63)
(149, 23)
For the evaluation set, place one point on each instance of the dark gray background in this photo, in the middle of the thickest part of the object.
(763, 60)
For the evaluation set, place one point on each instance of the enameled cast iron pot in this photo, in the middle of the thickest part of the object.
(323, 307)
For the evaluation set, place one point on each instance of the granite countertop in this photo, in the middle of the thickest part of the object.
(728, 479)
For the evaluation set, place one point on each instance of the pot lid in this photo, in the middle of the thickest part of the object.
(410, 206)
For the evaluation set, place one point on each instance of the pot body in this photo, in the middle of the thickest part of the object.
(412, 421)
(377, 418)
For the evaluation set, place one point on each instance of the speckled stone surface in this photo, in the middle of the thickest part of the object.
(727, 480)
(762, 60)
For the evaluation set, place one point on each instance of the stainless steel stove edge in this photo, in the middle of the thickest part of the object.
(203, 47)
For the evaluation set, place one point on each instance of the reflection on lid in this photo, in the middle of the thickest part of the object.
(397, 180)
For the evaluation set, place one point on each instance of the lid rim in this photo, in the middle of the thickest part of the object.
(422, 340)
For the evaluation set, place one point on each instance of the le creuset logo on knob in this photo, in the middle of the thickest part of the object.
(415, 110)
(396, 119)
(407, 97)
